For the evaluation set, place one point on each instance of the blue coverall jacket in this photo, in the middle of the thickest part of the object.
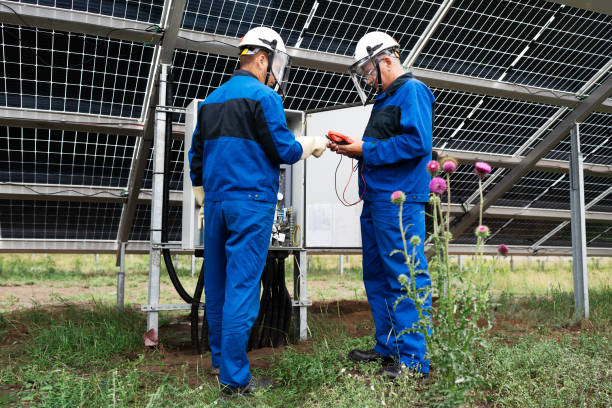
(397, 146)
(240, 140)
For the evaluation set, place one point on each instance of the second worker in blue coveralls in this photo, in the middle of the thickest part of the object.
(393, 154)
(240, 140)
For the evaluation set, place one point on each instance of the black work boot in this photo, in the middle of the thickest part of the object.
(362, 356)
(256, 384)
(395, 370)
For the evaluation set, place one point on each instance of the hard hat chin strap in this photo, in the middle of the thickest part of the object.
(271, 53)
(370, 51)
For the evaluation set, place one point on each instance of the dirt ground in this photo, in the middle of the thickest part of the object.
(24, 295)
(177, 354)
(27, 295)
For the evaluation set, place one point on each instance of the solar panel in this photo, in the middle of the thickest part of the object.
(175, 167)
(327, 26)
(53, 220)
(197, 74)
(551, 190)
(64, 157)
(71, 72)
(537, 43)
(142, 223)
(595, 141)
(477, 123)
(597, 235)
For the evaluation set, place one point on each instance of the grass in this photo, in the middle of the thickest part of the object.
(85, 354)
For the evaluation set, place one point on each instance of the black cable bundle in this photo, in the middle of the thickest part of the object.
(195, 307)
(166, 193)
(272, 325)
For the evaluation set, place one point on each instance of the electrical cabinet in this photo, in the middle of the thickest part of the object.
(288, 230)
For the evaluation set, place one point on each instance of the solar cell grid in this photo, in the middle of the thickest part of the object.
(334, 27)
(64, 157)
(197, 74)
(551, 190)
(595, 141)
(515, 232)
(142, 223)
(597, 235)
(175, 167)
(70, 72)
(59, 220)
(538, 43)
(472, 122)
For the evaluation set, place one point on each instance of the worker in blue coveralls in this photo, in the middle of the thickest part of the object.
(393, 154)
(240, 140)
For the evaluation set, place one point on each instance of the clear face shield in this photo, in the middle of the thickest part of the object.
(365, 78)
(281, 63)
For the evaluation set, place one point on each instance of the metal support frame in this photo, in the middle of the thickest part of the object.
(541, 149)
(598, 6)
(51, 192)
(121, 278)
(225, 45)
(522, 213)
(300, 295)
(52, 18)
(76, 246)
(139, 161)
(134, 183)
(167, 307)
(77, 122)
(157, 205)
(579, 254)
(429, 31)
(507, 161)
(171, 20)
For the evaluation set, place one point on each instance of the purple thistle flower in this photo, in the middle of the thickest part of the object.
(437, 185)
(502, 250)
(433, 167)
(482, 231)
(398, 197)
(482, 169)
(449, 164)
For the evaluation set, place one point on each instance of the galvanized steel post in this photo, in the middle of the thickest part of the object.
(578, 224)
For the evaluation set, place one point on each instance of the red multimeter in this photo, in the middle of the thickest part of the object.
(338, 138)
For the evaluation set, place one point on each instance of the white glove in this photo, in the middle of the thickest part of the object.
(312, 145)
(198, 192)
(319, 146)
(201, 218)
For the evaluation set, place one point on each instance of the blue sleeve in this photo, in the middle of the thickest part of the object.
(196, 153)
(277, 140)
(416, 123)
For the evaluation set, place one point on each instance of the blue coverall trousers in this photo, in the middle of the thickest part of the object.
(236, 241)
(380, 234)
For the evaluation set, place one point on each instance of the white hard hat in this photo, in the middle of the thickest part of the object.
(368, 48)
(262, 37)
(279, 62)
(373, 44)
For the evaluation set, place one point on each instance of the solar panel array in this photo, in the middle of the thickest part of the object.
(536, 45)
